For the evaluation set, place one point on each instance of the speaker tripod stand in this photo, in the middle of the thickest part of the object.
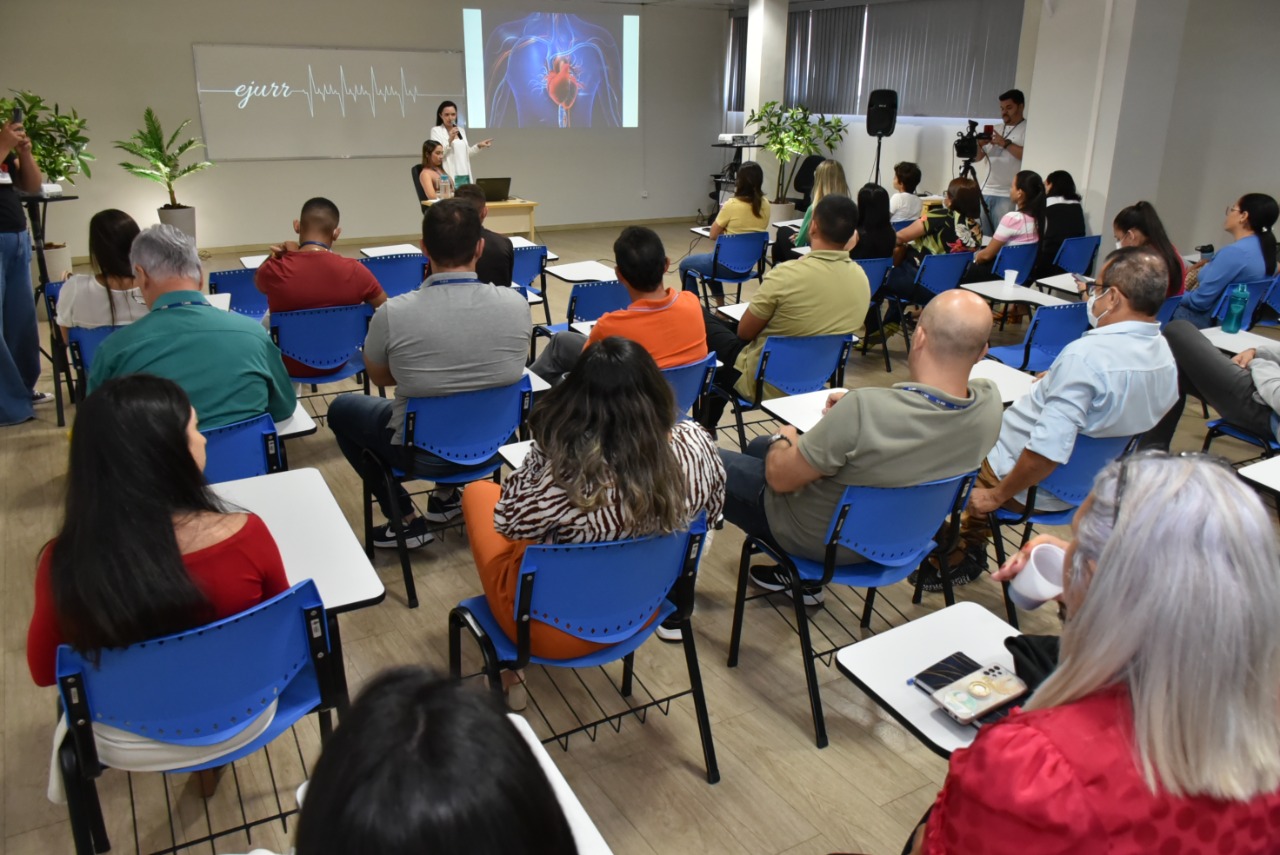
(876, 169)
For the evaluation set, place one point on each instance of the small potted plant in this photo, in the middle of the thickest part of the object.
(161, 163)
(790, 134)
(60, 149)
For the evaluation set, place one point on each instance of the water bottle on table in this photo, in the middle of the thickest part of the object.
(1235, 310)
(446, 187)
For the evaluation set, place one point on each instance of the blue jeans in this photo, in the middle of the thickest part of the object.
(999, 206)
(702, 264)
(19, 336)
(361, 423)
(744, 490)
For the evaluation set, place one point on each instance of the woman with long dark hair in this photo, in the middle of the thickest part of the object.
(1139, 225)
(107, 297)
(433, 171)
(953, 226)
(608, 461)
(1063, 219)
(874, 237)
(1252, 256)
(457, 152)
(1024, 224)
(747, 211)
(144, 550)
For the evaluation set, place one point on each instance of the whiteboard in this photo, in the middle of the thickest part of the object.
(274, 103)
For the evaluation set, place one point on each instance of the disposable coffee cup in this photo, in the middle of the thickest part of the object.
(1011, 277)
(1041, 578)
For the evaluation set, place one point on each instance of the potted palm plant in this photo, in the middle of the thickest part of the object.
(60, 148)
(161, 163)
(791, 134)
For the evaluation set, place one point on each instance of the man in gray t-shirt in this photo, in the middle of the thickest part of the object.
(786, 487)
(453, 334)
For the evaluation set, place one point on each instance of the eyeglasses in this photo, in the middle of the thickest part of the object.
(1122, 477)
(1096, 288)
(1235, 208)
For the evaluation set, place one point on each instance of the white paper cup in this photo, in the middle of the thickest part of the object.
(1040, 580)
(1011, 277)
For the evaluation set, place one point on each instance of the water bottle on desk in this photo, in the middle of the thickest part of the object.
(446, 187)
(1235, 310)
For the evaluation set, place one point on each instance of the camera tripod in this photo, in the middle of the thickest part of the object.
(967, 171)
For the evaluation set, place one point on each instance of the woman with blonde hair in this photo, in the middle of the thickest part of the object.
(1160, 728)
(828, 178)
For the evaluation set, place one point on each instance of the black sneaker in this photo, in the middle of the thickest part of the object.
(971, 567)
(771, 577)
(441, 509)
(415, 535)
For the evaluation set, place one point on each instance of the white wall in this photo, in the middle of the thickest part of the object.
(115, 59)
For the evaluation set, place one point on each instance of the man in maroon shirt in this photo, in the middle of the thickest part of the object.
(308, 274)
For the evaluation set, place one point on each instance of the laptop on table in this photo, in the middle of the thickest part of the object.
(495, 189)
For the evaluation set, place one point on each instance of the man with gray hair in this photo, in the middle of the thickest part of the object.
(1118, 379)
(226, 363)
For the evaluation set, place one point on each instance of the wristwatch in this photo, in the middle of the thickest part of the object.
(778, 436)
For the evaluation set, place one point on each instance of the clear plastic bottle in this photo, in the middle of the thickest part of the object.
(1235, 310)
(446, 187)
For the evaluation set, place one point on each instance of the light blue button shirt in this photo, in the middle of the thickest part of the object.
(1118, 380)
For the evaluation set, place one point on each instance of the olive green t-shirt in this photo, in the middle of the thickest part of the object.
(875, 437)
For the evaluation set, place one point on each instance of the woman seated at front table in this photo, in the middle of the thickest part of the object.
(1139, 225)
(1022, 225)
(1252, 256)
(107, 297)
(432, 169)
(609, 461)
(747, 211)
(827, 178)
(952, 226)
(145, 550)
(1159, 731)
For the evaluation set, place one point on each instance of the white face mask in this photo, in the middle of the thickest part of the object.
(1093, 298)
(1119, 245)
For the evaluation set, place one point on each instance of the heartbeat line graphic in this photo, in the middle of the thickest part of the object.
(343, 91)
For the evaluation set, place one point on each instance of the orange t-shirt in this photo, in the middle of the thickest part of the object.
(669, 326)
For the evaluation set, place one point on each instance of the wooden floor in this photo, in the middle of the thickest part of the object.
(643, 786)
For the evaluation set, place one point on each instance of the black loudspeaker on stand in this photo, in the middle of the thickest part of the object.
(882, 118)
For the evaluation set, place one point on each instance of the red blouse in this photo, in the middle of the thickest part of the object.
(1065, 781)
(235, 574)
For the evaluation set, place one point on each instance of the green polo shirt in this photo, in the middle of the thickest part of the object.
(226, 363)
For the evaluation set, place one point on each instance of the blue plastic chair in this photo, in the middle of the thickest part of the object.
(1052, 328)
(242, 450)
(82, 344)
(742, 255)
(1077, 254)
(246, 299)
(1258, 290)
(465, 431)
(1271, 301)
(196, 688)
(397, 274)
(793, 365)
(877, 271)
(1070, 482)
(1019, 257)
(614, 593)
(530, 266)
(1221, 427)
(936, 274)
(588, 301)
(899, 225)
(893, 528)
(691, 382)
(1167, 309)
(328, 339)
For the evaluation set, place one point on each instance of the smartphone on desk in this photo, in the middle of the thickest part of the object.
(968, 692)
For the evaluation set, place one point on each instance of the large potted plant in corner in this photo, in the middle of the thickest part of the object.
(790, 134)
(161, 163)
(60, 149)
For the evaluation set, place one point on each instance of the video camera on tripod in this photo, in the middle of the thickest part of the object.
(967, 142)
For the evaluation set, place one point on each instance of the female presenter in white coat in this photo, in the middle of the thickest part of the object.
(457, 154)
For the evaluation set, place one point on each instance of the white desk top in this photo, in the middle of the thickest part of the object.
(1265, 473)
(802, 250)
(1001, 292)
(882, 664)
(705, 231)
(536, 383)
(314, 538)
(583, 271)
(515, 453)
(396, 249)
(586, 836)
(298, 424)
(221, 301)
(1013, 384)
(1062, 282)
(793, 224)
(533, 298)
(516, 240)
(583, 327)
(800, 411)
(1234, 343)
(253, 262)
(1191, 257)
(735, 311)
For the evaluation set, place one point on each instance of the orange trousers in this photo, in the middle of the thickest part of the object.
(498, 566)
